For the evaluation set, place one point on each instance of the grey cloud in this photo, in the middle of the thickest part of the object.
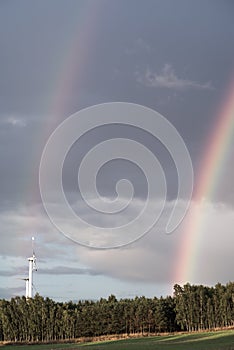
(6, 293)
(15, 272)
(156, 257)
(20, 224)
(66, 270)
(137, 262)
(152, 259)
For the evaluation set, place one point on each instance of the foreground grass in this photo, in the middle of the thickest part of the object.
(200, 341)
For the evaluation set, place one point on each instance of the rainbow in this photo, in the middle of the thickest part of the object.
(76, 52)
(218, 147)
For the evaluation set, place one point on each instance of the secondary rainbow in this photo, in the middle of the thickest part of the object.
(218, 148)
(76, 49)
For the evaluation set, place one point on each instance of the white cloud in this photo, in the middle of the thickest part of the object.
(15, 121)
(168, 79)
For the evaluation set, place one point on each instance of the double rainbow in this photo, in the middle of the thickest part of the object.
(218, 144)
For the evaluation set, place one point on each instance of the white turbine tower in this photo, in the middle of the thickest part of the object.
(31, 268)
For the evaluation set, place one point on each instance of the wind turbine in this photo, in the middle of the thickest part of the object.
(26, 284)
(31, 267)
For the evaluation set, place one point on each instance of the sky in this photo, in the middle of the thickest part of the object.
(58, 57)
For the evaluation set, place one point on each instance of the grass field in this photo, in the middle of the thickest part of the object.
(200, 341)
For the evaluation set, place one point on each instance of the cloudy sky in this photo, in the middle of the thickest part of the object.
(58, 57)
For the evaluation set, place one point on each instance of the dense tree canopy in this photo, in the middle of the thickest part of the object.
(191, 308)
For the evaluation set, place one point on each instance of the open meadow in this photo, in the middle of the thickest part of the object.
(200, 341)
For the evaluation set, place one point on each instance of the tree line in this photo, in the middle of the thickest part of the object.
(191, 308)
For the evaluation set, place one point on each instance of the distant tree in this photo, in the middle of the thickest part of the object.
(191, 308)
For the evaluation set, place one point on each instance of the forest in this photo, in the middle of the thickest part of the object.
(191, 308)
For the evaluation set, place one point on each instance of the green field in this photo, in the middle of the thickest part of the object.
(200, 341)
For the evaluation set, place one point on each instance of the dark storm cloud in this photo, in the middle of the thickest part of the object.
(176, 45)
